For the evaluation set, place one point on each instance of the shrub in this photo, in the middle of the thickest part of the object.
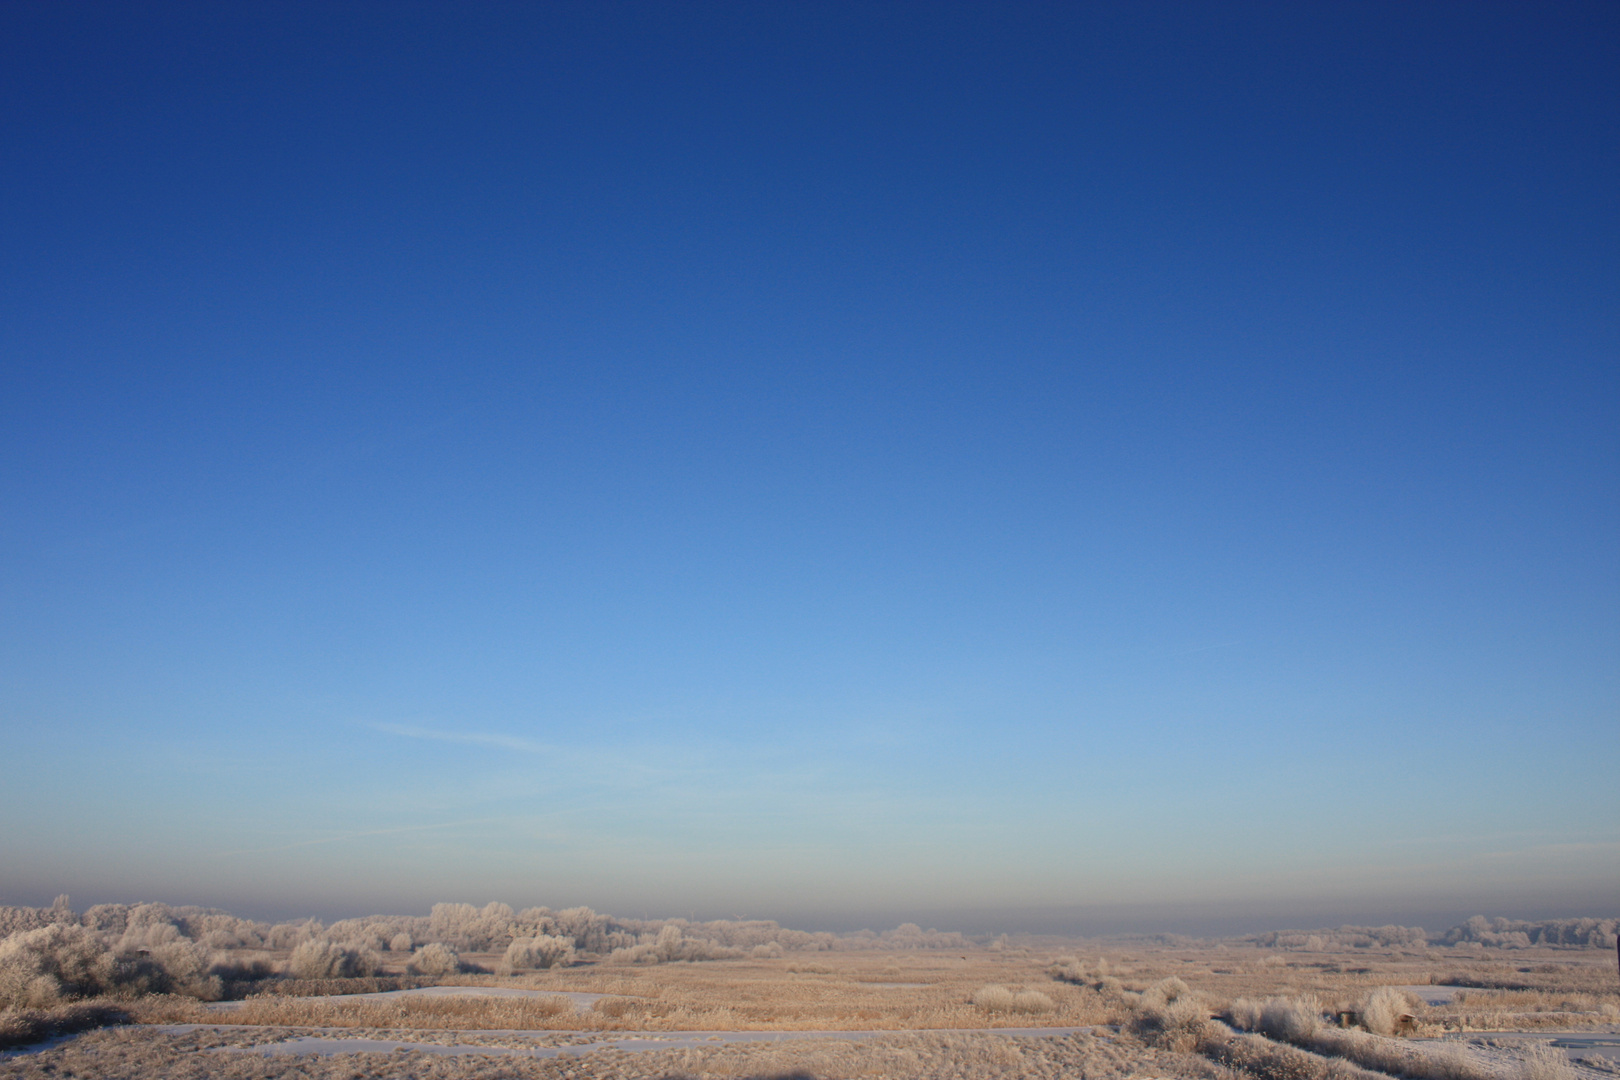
(1245, 1013)
(1543, 1061)
(540, 951)
(1071, 970)
(1170, 1013)
(1164, 992)
(672, 944)
(243, 966)
(1000, 999)
(148, 936)
(187, 967)
(1291, 1019)
(1032, 1001)
(401, 942)
(467, 927)
(1382, 1009)
(107, 917)
(40, 967)
(291, 935)
(995, 999)
(317, 959)
(435, 958)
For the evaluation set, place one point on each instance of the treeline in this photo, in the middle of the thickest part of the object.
(1522, 933)
(52, 954)
(1345, 937)
(1477, 932)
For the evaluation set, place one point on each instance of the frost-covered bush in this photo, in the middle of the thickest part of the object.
(1070, 969)
(290, 935)
(993, 999)
(672, 944)
(1543, 1061)
(1382, 1009)
(591, 931)
(1032, 1001)
(463, 926)
(1344, 938)
(243, 965)
(1519, 933)
(39, 968)
(148, 936)
(1292, 1019)
(541, 951)
(1245, 1014)
(1000, 999)
(1164, 992)
(435, 959)
(188, 966)
(107, 918)
(1169, 1009)
(317, 959)
(15, 920)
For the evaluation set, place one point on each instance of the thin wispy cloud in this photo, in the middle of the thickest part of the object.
(467, 738)
(693, 780)
(615, 766)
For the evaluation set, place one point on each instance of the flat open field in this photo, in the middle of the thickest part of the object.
(1105, 1007)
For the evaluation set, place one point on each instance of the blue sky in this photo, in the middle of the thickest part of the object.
(1050, 466)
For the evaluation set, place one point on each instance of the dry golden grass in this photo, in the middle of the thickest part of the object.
(715, 996)
(20, 1027)
(1156, 998)
(856, 991)
(1528, 988)
(133, 1052)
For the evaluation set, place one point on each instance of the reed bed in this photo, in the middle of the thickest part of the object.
(127, 1052)
(1151, 1003)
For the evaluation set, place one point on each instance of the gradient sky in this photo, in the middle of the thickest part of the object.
(994, 464)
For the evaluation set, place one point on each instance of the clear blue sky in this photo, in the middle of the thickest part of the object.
(989, 464)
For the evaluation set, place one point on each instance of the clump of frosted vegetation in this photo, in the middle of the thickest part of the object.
(540, 951)
(1382, 1009)
(1002, 999)
(469, 928)
(401, 942)
(1245, 1014)
(1169, 1006)
(1070, 969)
(1481, 932)
(672, 944)
(1543, 1061)
(41, 968)
(1344, 938)
(1292, 1019)
(320, 959)
(435, 959)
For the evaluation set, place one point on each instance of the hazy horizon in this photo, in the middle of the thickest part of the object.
(819, 461)
(1192, 920)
